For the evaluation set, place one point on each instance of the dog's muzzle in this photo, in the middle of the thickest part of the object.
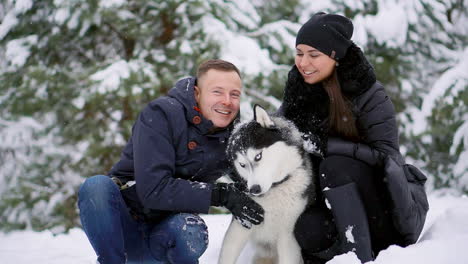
(255, 190)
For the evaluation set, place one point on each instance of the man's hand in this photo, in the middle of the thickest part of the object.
(243, 208)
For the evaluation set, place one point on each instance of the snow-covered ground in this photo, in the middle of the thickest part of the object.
(444, 240)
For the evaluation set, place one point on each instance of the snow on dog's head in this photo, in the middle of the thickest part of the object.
(264, 150)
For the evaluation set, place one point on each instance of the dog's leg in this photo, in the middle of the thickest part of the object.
(289, 251)
(265, 254)
(234, 241)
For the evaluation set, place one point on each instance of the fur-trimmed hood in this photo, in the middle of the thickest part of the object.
(355, 74)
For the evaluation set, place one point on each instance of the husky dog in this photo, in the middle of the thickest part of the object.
(268, 156)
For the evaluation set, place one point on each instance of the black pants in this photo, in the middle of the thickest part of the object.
(315, 228)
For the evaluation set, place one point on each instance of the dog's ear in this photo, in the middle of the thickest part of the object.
(261, 116)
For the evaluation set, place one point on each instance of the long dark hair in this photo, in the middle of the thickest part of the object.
(341, 118)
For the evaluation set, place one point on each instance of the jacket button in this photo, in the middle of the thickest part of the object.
(192, 145)
(196, 120)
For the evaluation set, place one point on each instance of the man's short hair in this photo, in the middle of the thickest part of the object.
(216, 64)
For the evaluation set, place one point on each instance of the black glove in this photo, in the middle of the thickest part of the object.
(243, 208)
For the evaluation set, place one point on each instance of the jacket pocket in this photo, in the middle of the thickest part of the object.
(414, 175)
(406, 186)
(416, 181)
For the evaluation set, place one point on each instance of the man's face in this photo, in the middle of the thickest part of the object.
(218, 96)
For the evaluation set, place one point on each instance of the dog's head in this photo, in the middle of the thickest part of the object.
(264, 151)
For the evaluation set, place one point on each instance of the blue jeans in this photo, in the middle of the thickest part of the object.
(118, 238)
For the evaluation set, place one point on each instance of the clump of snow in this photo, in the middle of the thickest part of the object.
(185, 47)
(199, 185)
(110, 77)
(281, 29)
(244, 11)
(113, 3)
(239, 49)
(308, 8)
(311, 147)
(353, 5)
(17, 134)
(21, 6)
(78, 102)
(18, 50)
(10, 19)
(61, 15)
(349, 234)
(327, 203)
(389, 27)
(360, 31)
(8, 22)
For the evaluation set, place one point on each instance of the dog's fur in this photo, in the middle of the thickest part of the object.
(268, 156)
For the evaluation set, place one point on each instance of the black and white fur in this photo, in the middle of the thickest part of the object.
(268, 156)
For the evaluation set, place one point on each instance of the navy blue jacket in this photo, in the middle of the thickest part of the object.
(171, 155)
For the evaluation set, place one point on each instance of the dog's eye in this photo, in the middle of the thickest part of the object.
(242, 164)
(258, 156)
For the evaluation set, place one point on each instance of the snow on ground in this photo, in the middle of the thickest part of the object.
(443, 240)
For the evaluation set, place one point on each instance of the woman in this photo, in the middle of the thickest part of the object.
(369, 198)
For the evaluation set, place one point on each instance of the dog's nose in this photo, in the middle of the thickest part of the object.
(255, 189)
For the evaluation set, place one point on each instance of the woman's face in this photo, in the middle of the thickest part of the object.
(313, 65)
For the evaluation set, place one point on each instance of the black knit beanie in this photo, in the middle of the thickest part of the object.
(329, 33)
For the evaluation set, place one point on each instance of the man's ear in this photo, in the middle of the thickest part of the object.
(262, 117)
(197, 93)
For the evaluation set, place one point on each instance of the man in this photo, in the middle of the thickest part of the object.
(145, 210)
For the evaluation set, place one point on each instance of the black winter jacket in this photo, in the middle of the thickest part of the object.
(376, 123)
(172, 155)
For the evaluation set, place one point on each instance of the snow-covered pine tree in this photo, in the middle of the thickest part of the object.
(444, 113)
(435, 119)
